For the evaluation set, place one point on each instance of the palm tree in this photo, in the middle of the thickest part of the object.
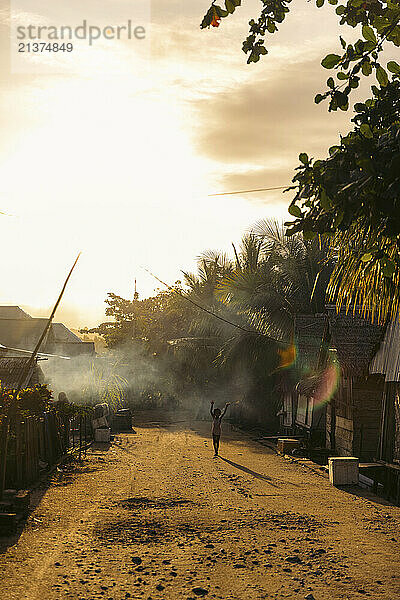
(289, 277)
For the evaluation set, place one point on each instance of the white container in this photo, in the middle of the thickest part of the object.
(343, 470)
(102, 435)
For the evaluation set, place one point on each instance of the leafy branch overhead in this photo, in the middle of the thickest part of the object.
(353, 196)
(380, 25)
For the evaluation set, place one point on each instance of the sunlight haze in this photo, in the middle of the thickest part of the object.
(117, 155)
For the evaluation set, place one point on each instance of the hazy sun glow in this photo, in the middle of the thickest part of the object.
(116, 157)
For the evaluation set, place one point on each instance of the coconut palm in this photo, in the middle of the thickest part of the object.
(290, 278)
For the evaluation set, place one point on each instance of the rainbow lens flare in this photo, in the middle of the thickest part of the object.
(327, 385)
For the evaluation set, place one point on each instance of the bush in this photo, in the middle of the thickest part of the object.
(30, 401)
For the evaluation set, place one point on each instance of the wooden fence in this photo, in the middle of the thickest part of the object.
(35, 444)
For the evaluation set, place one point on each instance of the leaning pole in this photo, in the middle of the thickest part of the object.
(5, 424)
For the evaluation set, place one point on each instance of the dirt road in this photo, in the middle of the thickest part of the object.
(156, 517)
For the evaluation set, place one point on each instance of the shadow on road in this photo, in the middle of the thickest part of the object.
(361, 492)
(249, 471)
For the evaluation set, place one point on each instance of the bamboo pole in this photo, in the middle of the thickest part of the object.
(24, 373)
(29, 364)
(3, 453)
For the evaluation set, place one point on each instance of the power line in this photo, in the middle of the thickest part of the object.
(281, 187)
(210, 312)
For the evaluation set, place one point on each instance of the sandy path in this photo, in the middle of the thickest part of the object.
(156, 517)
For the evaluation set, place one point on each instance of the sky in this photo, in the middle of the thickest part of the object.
(114, 149)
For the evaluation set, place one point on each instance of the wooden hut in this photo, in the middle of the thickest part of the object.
(337, 401)
(362, 414)
(354, 411)
(299, 414)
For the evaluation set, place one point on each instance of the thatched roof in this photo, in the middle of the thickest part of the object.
(308, 334)
(11, 370)
(355, 339)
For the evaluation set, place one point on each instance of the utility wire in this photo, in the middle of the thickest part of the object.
(210, 312)
(281, 187)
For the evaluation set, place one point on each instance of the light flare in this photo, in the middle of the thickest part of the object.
(327, 385)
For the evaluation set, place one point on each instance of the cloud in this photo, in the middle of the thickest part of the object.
(256, 178)
(269, 119)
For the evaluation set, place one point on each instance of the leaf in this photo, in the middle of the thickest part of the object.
(325, 201)
(341, 100)
(221, 12)
(382, 76)
(333, 150)
(290, 231)
(369, 34)
(294, 211)
(394, 165)
(254, 57)
(339, 218)
(366, 257)
(330, 83)
(366, 131)
(388, 267)
(230, 6)
(330, 61)
(303, 158)
(309, 235)
(359, 107)
(342, 75)
(320, 3)
(393, 67)
(366, 68)
(318, 98)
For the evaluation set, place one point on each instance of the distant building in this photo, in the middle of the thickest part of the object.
(19, 331)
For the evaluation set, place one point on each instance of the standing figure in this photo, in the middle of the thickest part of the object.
(217, 416)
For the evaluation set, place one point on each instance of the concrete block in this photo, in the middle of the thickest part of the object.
(102, 435)
(286, 445)
(343, 470)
